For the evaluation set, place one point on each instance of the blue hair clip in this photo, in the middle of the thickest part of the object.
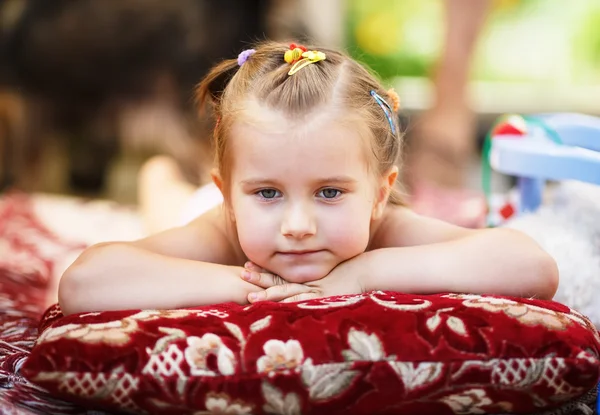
(386, 109)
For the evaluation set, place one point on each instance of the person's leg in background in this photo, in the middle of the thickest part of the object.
(163, 192)
(443, 139)
(167, 200)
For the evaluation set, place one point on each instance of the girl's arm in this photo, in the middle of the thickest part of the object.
(120, 276)
(418, 254)
(188, 266)
(494, 261)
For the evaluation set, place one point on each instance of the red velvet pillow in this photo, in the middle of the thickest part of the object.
(374, 353)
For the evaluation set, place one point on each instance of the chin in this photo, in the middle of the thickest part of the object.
(304, 273)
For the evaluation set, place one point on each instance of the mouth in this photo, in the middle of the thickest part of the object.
(299, 253)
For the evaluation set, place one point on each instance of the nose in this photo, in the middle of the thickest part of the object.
(298, 221)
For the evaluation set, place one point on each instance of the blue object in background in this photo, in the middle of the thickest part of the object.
(545, 147)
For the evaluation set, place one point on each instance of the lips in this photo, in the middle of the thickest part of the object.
(299, 253)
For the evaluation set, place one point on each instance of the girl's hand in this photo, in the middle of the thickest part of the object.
(342, 280)
(260, 276)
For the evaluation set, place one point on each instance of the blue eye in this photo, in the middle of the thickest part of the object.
(330, 193)
(268, 193)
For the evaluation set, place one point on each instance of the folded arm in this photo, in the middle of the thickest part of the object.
(419, 254)
(182, 267)
(495, 261)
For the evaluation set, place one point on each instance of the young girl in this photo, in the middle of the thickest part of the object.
(306, 149)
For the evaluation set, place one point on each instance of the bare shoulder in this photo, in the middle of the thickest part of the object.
(400, 227)
(208, 238)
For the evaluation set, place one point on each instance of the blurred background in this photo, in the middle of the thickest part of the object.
(531, 56)
(90, 89)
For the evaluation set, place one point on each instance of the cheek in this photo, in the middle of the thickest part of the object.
(255, 231)
(349, 230)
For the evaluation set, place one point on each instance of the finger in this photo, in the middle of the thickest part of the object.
(301, 297)
(278, 292)
(252, 267)
(262, 279)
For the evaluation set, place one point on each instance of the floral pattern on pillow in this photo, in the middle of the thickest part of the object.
(379, 352)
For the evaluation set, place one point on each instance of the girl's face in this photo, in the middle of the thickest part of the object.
(302, 201)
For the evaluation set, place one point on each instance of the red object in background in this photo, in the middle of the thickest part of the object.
(294, 46)
(507, 211)
(513, 125)
(28, 251)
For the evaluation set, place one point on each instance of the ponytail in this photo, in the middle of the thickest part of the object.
(212, 86)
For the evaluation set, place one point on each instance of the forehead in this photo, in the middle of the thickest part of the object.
(319, 147)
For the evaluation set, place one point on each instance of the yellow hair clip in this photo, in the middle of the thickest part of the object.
(308, 57)
(293, 55)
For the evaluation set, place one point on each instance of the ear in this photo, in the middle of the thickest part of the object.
(386, 184)
(218, 181)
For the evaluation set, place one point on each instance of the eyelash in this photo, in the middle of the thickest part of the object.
(259, 193)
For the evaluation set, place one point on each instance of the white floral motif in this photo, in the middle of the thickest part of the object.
(328, 302)
(172, 334)
(115, 333)
(471, 401)
(452, 322)
(363, 346)
(236, 331)
(423, 304)
(417, 375)
(280, 356)
(457, 325)
(221, 404)
(200, 348)
(326, 381)
(92, 314)
(368, 347)
(148, 315)
(261, 324)
(278, 403)
(527, 314)
(433, 322)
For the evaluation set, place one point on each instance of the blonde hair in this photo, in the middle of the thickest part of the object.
(338, 81)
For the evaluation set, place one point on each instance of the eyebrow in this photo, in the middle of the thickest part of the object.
(334, 179)
(338, 179)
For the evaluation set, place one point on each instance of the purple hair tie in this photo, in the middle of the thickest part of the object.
(244, 55)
